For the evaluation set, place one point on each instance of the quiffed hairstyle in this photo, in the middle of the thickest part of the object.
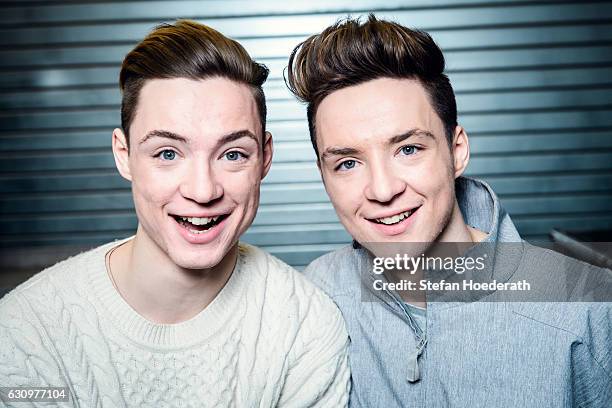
(190, 50)
(350, 53)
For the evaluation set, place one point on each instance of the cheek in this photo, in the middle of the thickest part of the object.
(243, 187)
(151, 186)
(432, 177)
(346, 201)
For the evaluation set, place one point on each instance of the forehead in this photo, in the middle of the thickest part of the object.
(374, 111)
(210, 107)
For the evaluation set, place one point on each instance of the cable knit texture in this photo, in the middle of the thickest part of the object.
(269, 338)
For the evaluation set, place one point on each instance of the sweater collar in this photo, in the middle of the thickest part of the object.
(163, 336)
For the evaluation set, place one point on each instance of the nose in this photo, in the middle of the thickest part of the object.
(384, 184)
(201, 184)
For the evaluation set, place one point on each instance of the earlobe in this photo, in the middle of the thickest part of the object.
(461, 151)
(121, 153)
(268, 152)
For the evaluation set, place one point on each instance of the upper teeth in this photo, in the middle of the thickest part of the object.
(394, 219)
(199, 221)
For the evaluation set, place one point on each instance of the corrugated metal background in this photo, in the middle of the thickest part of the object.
(533, 83)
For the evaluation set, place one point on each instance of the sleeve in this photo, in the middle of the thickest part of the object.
(592, 361)
(25, 358)
(318, 374)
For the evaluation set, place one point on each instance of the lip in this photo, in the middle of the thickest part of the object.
(395, 229)
(204, 237)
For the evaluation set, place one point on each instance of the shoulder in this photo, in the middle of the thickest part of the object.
(32, 322)
(338, 272)
(287, 288)
(575, 280)
(578, 302)
(55, 283)
(280, 278)
(565, 283)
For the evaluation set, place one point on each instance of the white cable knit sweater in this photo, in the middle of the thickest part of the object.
(270, 338)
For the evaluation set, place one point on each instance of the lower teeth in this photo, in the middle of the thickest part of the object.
(206, 229)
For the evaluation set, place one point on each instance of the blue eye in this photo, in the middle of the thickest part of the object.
(234, 155)
(167, 155)
(347, 165)
(408, 150)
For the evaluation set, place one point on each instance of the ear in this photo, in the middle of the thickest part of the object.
(268, 150)
(460, 151)
(122, 154)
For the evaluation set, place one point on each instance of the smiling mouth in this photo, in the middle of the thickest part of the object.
(394, 219)
(199, 225)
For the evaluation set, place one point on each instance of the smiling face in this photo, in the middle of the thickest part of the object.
(196, 163)
(386, 163)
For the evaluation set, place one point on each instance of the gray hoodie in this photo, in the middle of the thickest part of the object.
(549, 347)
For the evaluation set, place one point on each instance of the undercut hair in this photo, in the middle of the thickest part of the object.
(351, 52)
(187, 49)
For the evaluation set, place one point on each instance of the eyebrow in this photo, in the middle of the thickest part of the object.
(225, 139)
(163, 134)
(349, 151)
(339, 151)
(237, 135)
(411, 133)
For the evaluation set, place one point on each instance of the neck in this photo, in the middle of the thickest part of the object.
(158, 289)
(456, 231)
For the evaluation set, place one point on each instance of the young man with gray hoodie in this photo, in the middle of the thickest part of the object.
(383, 123)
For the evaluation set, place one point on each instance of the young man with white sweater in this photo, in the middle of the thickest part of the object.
(181, 314)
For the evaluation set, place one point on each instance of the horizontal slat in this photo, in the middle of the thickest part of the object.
(66, 246)
(101, 139)
(534, 142)
(107, 96)
(301, 150)
(291, 109)
(275, 87)
(161, 10)
(285, 152)
(304, 254)
(528, 225)
(297, 235)
(303, 193)
(541, 79)
(550, 184)
(293, 217)
(122, 200)
(460, 21)
(307, 172)
(532, 226)
(287, 234)
(59, 147)
(469, 105)
(518, 206)
(535, 121)
(543, 225)
(462, 56)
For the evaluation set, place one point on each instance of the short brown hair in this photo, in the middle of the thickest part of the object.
(187, 49)
(350, 53)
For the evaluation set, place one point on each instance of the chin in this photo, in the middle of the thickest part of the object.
(196, 264)
(201, 258)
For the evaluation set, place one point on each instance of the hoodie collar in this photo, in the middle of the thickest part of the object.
(482, 210)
